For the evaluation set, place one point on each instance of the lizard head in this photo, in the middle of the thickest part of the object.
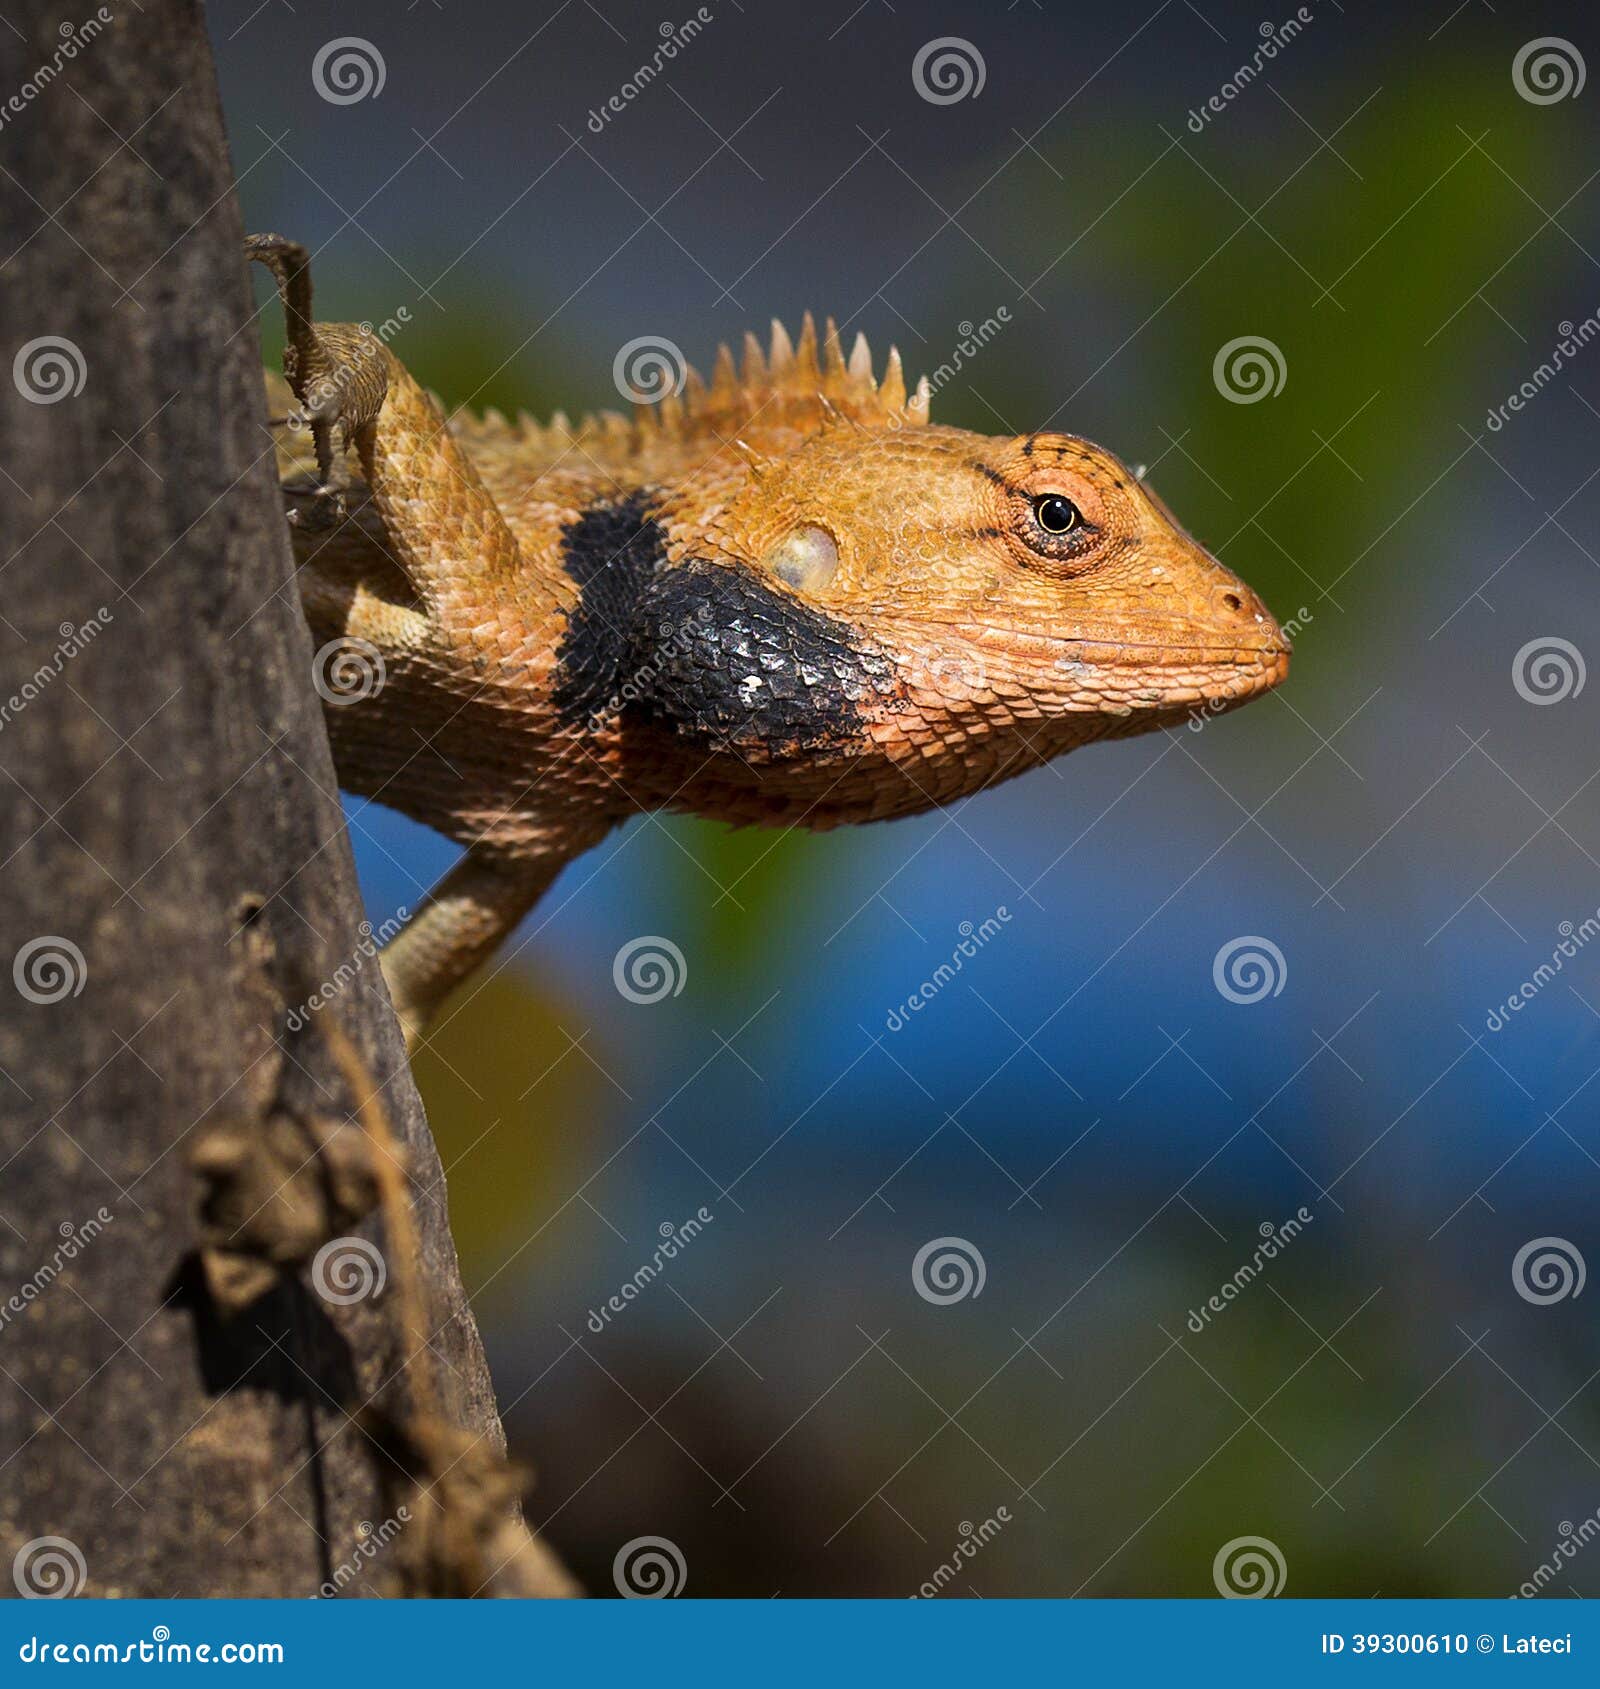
(844, 612)
(963, 607)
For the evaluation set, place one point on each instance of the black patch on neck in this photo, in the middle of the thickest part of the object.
(611, 552)
(711, 651)
(735, 661)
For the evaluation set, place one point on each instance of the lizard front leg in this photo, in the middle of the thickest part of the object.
(440, 524)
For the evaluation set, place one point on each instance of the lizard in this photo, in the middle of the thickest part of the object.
(783, 598)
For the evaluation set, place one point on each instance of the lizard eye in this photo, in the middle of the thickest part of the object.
(1056, 513)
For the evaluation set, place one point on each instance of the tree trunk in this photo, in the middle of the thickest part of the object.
(196, 1397)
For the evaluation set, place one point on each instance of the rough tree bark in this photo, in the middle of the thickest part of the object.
(174, 881)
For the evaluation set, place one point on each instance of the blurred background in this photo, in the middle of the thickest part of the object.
(1105, 1110)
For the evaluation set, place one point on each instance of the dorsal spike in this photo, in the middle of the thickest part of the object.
(724, 379)
(756, 463)
(920, 402)
(781, 358)
(892, 389)
(806, 372)
(834, 373)
(861, 360)
(755, 362)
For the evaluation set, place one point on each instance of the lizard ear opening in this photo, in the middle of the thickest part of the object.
(806, 558)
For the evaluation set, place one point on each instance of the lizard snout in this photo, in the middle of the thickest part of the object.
(1238, 614)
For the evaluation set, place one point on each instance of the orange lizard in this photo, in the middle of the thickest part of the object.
(786, 599)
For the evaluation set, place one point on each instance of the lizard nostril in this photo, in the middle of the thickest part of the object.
(1232, 600)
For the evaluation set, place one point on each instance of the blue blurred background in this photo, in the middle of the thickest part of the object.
(1081, 1105)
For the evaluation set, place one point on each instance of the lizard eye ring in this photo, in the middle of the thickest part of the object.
(1056, 513)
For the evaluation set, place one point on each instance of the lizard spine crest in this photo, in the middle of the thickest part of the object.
(793, 385)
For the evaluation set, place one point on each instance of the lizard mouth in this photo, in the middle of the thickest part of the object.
(1109, 650)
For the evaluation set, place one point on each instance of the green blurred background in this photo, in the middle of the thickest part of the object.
(1082, 1106)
